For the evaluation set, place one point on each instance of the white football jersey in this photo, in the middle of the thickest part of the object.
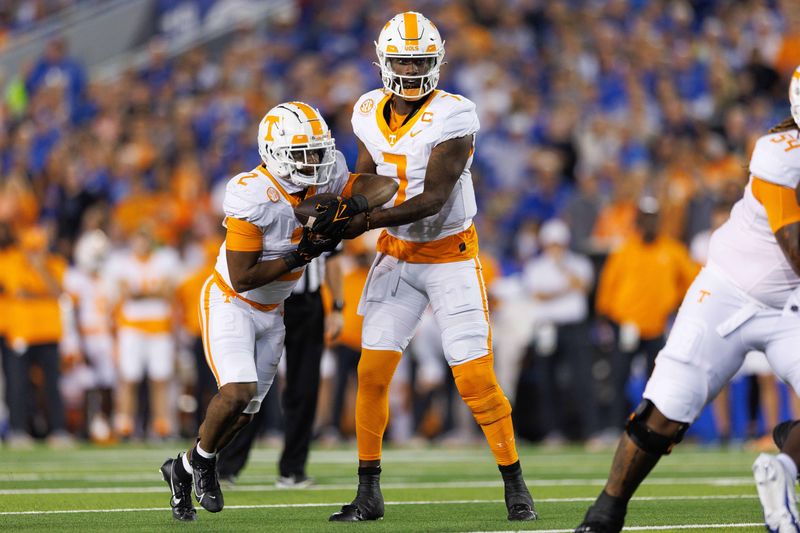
(745, 248)
(403, 154)
(264, 201)
(92, 299)
(159, 270)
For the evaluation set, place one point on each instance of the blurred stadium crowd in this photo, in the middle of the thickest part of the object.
(613, 126)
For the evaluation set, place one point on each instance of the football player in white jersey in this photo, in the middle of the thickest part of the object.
(91, 327)
(747, 297)
(427, 255)
(264, 254)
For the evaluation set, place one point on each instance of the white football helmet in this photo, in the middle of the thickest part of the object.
(794, 96)
(91, 251)
(410, 35)
(295, 144)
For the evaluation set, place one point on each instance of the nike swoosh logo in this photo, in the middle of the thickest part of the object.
(176, 501)
(415, 133)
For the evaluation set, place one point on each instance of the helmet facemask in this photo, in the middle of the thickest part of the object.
(410, 87)
(305, 165)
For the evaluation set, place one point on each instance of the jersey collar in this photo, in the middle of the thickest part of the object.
(393, 136)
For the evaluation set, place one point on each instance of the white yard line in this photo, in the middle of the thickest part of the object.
(432, 502)
(732, 482)
(649, 528)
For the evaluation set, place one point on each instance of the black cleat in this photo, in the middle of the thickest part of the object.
(599, 521)
(781, 432)
(518, 500)
(181, 500)
(206, 484)
(368, 503)
(595, 527)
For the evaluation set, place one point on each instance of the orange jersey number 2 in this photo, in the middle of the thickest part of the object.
(400, 162)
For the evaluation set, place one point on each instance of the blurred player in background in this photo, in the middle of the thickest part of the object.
(33, 278)
(188, 294)
(265, 252)
(143, 280)
(87, 289)
(746, 297)
(639, 288)
(425, 138)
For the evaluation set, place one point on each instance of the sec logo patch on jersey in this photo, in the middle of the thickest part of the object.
(366, 106)
(273, 195)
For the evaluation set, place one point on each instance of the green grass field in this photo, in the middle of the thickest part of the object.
(435, 489)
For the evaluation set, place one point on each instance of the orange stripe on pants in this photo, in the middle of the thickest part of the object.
(204, 315)
(485, 301)
(375, 371)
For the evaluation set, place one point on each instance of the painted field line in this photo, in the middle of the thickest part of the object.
(432, 502)
(648, 528)
(730, 482)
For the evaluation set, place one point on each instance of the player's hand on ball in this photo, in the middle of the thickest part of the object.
(335, 215)
(313, 245)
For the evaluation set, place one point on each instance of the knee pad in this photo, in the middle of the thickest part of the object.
(645, 438)
(479, 389)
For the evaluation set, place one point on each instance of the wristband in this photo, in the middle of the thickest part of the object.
(337, 305)
(294, 260)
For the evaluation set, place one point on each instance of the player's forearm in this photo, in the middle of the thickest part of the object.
(334, 278)
(416, 208)
(258, 274)
(376, 189)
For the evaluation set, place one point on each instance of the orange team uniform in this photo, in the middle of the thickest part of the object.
(352, 285)
(33, 316)
(643, 283)
(431, 261)
(5, 297)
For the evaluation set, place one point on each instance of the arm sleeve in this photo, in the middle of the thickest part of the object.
(244, 221)
(462, 121)
(779, 202)
(242, 236)
(237, 205)
(341, 181)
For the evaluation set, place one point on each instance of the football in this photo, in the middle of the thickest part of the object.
(306, 211)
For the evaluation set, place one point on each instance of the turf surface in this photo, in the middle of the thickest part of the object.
(432, 489)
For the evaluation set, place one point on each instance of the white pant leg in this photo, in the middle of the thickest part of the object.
(782, 332)
(458, 297)
(159, 355)
(131, 354)
(391, 305)
(229, 336)
(428, 351)
(696, 361)
(242, 344)
(100, 353)
(270, 334)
